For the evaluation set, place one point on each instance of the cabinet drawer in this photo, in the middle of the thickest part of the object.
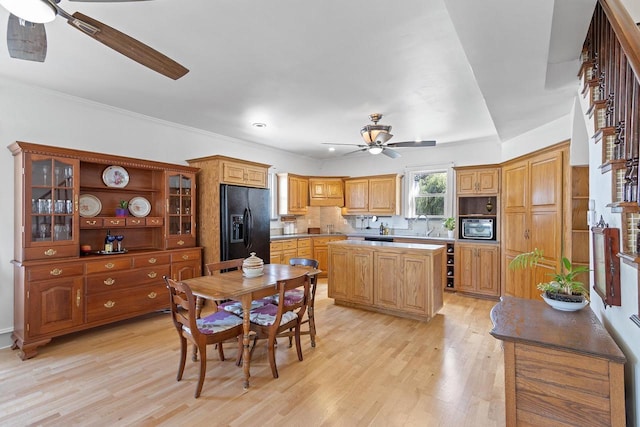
(289, 244)
(108, 264)
(90, 222)
(151, 259)
(275, 246)
(305, 253)
(51, 252)
(304, 243)
(54, 271)
(183, 241)
(133, 222)
(115, 281)
(185, 256)
(125, 304)
(153, 221)
(114, 222)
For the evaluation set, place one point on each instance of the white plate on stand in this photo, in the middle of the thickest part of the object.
(89, 205)
(139, 206)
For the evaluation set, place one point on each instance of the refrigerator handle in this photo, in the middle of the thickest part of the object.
(248, 228)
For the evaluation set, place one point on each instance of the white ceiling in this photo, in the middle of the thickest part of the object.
(449, 70)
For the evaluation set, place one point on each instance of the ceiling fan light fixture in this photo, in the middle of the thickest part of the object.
(36, 11)
(375, 150)
(374, 133)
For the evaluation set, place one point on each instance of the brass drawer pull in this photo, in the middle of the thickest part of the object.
(152, 260)
(185, 257)
(50, 252)
(115, 222)
(94, 222)
(109, 265)
(56, 272)
(109, 304)
(152, 295)
(136, 222)
(109, 281)
(78, 298)
(180, 242)
(152, 275)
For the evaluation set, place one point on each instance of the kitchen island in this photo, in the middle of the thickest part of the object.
(401, 279)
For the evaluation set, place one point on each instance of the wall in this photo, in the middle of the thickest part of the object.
(615, 319)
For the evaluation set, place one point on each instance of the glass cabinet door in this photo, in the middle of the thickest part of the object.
(51, 200)
(181, 204)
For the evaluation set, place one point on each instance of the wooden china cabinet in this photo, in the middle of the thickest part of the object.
(65, 201)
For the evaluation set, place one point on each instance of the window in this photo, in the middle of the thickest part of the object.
(428, 192)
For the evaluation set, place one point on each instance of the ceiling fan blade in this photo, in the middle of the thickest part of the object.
(26, 40)
(332, 143)
(356, 151)
(391, 153)
(124, 44)
(407, 144)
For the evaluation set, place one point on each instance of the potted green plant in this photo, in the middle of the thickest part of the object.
(450, 225)
(121, 210)
(563, 291)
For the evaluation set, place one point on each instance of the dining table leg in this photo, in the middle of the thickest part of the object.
(246, 326)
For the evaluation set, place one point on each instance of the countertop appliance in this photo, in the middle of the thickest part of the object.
(244, 222)
(478, 228)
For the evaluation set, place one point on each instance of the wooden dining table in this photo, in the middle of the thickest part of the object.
(235, 286)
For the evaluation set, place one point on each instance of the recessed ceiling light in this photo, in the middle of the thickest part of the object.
(259, 125)
(332, 149)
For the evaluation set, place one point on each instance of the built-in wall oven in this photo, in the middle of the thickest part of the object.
(478, 228)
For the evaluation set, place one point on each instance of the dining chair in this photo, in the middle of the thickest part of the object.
(297, 293)
(212, 329)
(270, 320)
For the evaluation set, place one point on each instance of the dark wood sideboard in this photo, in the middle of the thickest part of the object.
(561, 368)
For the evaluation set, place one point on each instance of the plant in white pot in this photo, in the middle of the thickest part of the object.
(564, 291)
(450, 225)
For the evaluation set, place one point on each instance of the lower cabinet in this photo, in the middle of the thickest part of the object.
(53, 298)
(477, 268)
(321, 252)
(352, 273)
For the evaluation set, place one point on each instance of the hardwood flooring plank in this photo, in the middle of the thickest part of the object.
(367, 369)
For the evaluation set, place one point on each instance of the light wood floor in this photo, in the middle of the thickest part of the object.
(368, 369)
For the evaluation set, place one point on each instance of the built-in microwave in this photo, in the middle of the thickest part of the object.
(478, 228)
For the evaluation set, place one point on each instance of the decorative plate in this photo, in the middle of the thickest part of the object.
(139, 206)
(89, 205)
(115, 176)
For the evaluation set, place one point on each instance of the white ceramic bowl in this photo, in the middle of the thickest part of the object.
(252, 271)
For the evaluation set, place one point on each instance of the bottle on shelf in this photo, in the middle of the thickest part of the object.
(108, 242)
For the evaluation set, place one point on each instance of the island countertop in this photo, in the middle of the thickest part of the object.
(389, 245)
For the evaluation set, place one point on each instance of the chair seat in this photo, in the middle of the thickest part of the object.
(235, 307)
(293, 296)
(266, 315)
(216, 322)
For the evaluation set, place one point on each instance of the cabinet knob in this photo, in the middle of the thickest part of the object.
(185, 257)
(109, 304)
(50, 252)
(152, 260)
(180, 242)
(56, 272)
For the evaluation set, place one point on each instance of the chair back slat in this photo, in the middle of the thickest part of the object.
(224, 266)
(183, 305)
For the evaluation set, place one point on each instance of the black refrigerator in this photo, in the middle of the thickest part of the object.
(244, 222)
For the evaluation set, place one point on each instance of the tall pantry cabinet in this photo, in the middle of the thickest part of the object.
(532, 216)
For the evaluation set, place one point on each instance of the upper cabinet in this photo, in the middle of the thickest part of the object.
(180, 227)
(379, 195)
(326, 191)
(246, 174)
(70, 198)
(293, 194)
(50, 215)
(477, 180)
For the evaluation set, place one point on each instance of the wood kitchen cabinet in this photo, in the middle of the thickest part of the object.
(293, 194)
(56, 291)
(532, 217)
(326, 191)
(477, 268)
(213, 171)
(321, 252)
(379, 195)
(477, 180)
(351, 273)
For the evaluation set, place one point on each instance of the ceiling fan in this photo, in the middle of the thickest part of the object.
(27, 39)
(375, 138)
